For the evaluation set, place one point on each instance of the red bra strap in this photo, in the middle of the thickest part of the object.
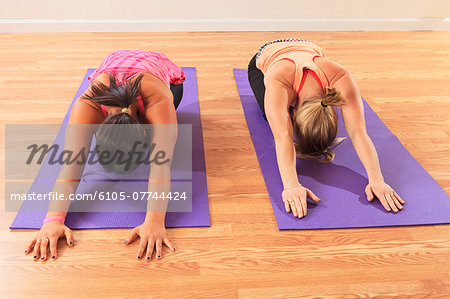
(305, 72)
(105, 113)
(313, 73)
(308, 71)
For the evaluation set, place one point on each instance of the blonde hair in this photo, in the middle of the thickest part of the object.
(315, 126)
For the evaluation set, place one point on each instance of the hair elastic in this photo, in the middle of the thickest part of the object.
(58, 218)
(323, 105)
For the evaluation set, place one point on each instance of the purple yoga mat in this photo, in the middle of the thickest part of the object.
(188, 113)
(340, 184)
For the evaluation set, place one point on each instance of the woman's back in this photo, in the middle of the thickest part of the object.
(126, 63)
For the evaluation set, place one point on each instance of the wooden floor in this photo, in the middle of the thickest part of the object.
(404, 76)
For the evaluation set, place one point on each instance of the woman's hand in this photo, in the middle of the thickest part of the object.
(48, 236)
(390, 200)
(294, 199)
(152, 235)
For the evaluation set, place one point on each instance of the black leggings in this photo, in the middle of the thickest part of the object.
(177, 91)
(256, 80)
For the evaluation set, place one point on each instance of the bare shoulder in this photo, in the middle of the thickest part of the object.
(102, 78)
(342, 79)
(154, 89)
(281, 71)
(332, 70)
(87, 111)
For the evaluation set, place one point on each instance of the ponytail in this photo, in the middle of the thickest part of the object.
(116, 95)
(326, 156)
(333, 98)
(112, 138)
(315, 126)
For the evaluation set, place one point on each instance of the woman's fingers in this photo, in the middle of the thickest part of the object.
(303, 203)
(44, 244)
(383, 202)
(53, 246)
(398, 204)
(389, 200)
(159, 248)
(169, 244)
(69, 237)
(293, 207)
(30, 246)
(369, 193)
(287, 206)
(298, 206)
(141, 248)
(399, 198)
(37, 247)
(150, 247)
(392, 202)
(311, 195)
(131, 237)
(396, 201)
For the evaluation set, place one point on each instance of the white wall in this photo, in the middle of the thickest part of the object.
(239, 15)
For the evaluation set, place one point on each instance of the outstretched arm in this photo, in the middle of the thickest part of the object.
(160, 112)
(163, 118)
(78, 135)
(353, 116)
(276, 103)
(276, 106)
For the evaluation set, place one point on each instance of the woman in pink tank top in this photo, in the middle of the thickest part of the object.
(297, 89)
(128, 89)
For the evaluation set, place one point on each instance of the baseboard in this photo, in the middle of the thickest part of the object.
(231, 24)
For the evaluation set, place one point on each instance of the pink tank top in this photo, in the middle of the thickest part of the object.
(302, 55)
(124, 64)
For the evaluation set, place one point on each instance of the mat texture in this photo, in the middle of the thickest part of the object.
(340, 184)
(187, 113)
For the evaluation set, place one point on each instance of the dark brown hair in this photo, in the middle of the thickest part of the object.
(116, 95)
(109, 136)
